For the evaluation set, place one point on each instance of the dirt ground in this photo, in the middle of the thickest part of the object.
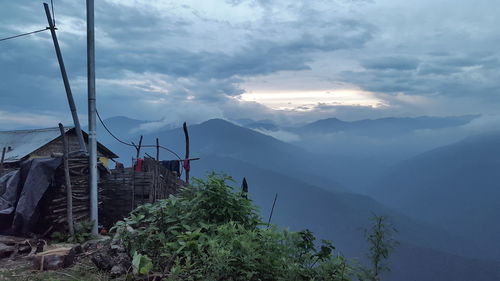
(22, 269)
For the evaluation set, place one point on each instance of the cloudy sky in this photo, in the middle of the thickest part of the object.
(285, 60)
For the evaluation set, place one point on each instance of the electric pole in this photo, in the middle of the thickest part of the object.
(92, 116)
(64, 75)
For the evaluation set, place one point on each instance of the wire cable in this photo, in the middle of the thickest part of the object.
(24, 34)
(133, 145)
(110, 133)
(53, 14)
(36, 31)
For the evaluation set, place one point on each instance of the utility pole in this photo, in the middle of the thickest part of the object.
(92, 116)
(67, 87)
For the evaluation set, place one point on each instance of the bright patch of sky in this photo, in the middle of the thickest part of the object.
(308, 100)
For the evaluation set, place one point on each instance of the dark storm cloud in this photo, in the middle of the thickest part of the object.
(136, 43)
(160, 53)
(397, 63)
(446, 75)
(259, 57)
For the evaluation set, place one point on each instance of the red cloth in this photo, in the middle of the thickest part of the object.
(186, 164)
(138, 164)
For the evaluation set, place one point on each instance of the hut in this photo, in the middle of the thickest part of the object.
(33, 192)
(32, 186)
(23, 145)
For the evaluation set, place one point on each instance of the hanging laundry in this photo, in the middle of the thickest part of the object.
(138, 165)
(186, 164)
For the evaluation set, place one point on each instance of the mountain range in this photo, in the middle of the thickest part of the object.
(310, 197)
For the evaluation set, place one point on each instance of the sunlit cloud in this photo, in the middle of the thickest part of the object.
(308, 100)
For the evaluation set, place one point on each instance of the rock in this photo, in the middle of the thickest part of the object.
(54, 259)
(117, 270)
(6, 251)
(95, 243)
(102, 260)
(23, 249)
(118, 249)
(112, 258)
(122, 258)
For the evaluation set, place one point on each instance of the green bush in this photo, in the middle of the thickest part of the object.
(380, 237)
(210, 232)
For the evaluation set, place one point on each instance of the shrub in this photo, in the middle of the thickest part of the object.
(380, 237)
(210, 232)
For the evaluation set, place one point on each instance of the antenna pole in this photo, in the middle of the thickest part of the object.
(64, 75)
(92, 116)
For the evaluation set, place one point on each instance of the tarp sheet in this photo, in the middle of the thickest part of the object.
(20, 193)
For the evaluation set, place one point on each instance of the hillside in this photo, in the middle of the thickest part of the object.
(305, 200)
(219, 137)
(341, 216)
(455, 187)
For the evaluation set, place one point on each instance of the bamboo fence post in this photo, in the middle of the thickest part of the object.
(138, 153)
(272, 210)
(157, 170)
(69, 190)
(133, 185)
(1, 160)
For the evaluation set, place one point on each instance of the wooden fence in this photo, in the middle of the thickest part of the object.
(125, 189)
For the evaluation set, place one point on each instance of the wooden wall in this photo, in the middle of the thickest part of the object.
(125, 189)
(56, 146)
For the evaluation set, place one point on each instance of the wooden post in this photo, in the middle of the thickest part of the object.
(133, 186)
(138, 153)
(64, 75)
(186, 163)
(69, 190)
(157, 150)
(157, 170)
(272, 210)
(138, 148)
(1, 160)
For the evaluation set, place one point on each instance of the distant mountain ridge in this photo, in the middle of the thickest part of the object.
(386, 126)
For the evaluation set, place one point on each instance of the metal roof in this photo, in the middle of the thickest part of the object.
(21, 143)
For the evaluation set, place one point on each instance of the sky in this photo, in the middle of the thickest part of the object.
(290, 61)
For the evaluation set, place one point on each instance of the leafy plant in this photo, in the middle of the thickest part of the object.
(381, 239)
(209, 232)
(141, 264)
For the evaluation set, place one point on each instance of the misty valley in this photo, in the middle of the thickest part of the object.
(334, 175)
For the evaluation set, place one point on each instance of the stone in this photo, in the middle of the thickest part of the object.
(112, 258)
(118, 249)
(54, 259)
(102, 260)
(117, 270)
(6, 250)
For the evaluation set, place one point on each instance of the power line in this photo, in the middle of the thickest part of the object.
(24, 34)
(133, 145)
(110, 133)
(36, 31)
(53, 14)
